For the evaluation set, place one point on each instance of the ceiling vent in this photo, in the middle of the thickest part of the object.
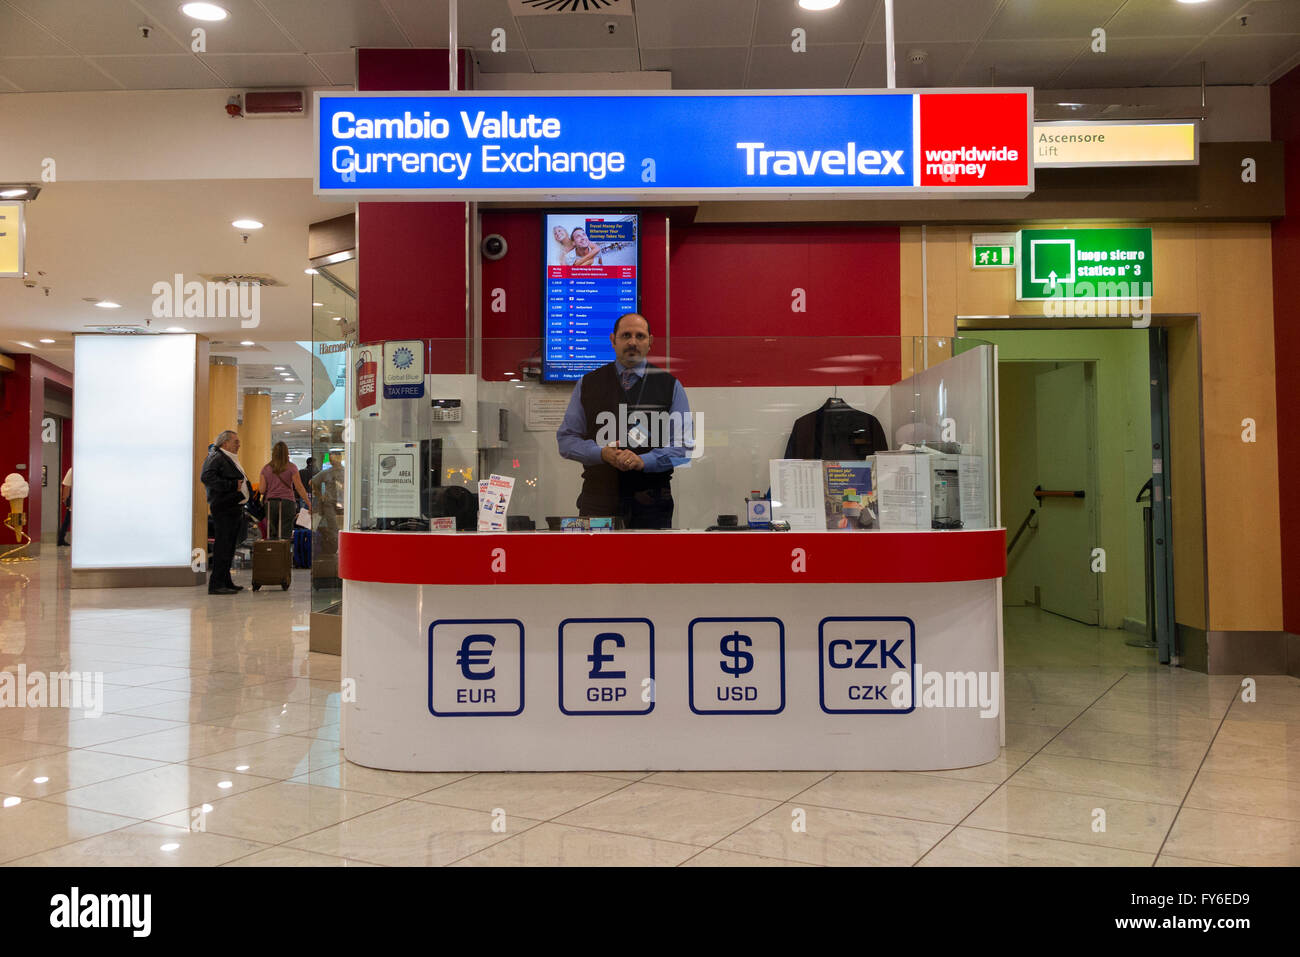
(533, 8)
(121, 330)
(242, 279)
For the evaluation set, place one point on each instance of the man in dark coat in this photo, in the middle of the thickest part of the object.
(227, 488)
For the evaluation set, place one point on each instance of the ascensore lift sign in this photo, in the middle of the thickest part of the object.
(949, 143)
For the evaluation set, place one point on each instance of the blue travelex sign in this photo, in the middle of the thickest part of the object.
(659, 145)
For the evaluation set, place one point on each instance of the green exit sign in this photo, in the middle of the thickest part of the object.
(1083, 264)
(993, 250)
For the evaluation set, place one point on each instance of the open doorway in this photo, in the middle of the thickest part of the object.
(1101, 491)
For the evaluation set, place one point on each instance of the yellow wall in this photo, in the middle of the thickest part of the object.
(1223, 273)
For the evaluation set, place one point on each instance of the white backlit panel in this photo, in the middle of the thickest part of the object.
(133, 451)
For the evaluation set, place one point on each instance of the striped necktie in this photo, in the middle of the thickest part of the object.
(629, 377)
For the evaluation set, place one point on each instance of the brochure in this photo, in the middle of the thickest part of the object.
(850, 497)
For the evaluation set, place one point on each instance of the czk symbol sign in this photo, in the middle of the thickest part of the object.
(859, 658)
(476, 667)
(604, 663)
(736, 665)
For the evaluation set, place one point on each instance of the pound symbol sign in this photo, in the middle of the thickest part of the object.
(742, 662)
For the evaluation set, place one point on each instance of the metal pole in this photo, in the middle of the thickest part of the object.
(889, 43)
(452, 71)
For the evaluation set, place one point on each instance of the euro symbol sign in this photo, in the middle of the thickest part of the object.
(742, 662)
(470, 657)
(598, 656)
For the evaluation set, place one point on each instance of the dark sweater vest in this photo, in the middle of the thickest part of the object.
(604, 486)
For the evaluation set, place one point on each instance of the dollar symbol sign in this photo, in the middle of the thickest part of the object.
(742, 662)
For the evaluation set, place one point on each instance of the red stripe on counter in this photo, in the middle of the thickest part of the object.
(584, 558)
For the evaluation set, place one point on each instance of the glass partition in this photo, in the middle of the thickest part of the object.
(801, 433)
(334, 323)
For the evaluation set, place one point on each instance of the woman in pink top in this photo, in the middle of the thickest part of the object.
(279, 482)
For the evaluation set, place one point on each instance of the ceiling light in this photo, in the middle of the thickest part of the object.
(247, 342)
(25, 345)
(48, 342)
(246, 224)
(204, 11)
(174, 329)
(818, 4)
(108, 304)
(309, 271)
(12, 193)
(279, 368)
(1193, 1)
(337, 318)
(318, 303)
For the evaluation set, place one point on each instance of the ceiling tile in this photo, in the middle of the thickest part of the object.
(180, 71)
(941, 64)
(1057, 19)
(585, 61)
(848, 21)
(1127, 62)
(247, 30)
(19, 36)
(54, 74)
(674, 24)
(425, 23)
(1228, 60)
(700, 68)
(336, 24)
(340, 67)
(936, 20)
(1019, 62)
(824, 67)
(1266, 16)
(512, 61)
(559, 32)
(109, 26)
(265, 69)
(1165, 18)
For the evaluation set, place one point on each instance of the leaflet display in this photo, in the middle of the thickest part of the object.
(591, 279)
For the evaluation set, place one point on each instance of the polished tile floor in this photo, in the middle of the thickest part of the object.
(219, 746)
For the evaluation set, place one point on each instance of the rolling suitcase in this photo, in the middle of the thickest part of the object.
(272, 564)
(302, 548)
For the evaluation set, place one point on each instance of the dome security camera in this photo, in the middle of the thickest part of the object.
(494, 247)
(611, 26)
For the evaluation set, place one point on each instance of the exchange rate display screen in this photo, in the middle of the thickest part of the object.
(591, 280)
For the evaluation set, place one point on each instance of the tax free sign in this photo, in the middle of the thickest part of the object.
(675, 145)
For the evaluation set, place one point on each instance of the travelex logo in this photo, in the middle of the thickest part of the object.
(656, 144)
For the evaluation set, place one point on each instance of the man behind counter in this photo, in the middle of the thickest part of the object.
(627, 475)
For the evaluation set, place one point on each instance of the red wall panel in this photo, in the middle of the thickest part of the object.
(22, 406)
(1285, 97)
(411, 256)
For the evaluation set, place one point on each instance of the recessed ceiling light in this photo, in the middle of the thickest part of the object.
(48, 341)
(818, 4)
(337, 318)
(247, 342)
(174, 329)
(108, 304)
(246, 224)
(204, 11)
(12, 193)
(309, 271)
(318, 303)
(279, 368)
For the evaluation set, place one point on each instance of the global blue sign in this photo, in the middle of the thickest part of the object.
(674, 145)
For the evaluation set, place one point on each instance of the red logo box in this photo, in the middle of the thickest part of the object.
(974, 139)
